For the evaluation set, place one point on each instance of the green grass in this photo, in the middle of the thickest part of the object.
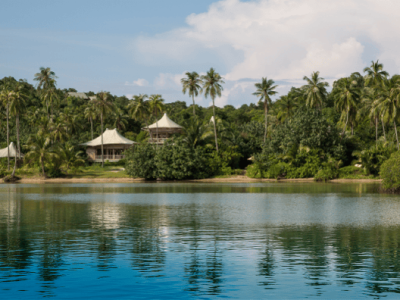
(99, 172)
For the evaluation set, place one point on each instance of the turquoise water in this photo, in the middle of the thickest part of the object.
(206, 241)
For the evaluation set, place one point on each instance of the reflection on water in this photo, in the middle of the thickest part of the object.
(174, 240)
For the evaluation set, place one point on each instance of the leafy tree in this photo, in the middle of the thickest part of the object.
(156, 105)
(46, 78)
(195, 133)
(265, 89)
(139, 108)
(140, 162)
(315, 90)
(192, 84)
(212, 86)
(69, 157)
(40, 151)
(375, 74)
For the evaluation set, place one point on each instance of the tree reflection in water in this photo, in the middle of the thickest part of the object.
(212, 245)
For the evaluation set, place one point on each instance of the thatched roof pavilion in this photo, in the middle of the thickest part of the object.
(162, 130)
(114, 144)
(13, 151)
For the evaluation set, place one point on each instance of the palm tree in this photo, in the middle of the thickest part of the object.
(17, 106)
(265, 89)
(389, 101)
(120, 119)
(103, 105)
(347, 95)
(139, 108)
(91, 115)
(41, 150)
(6, 96)
(212, 86)
(315, 90)
(69, 157)
(195, 133)
(375, 74)
(49, 97)
(46, 77)
(369, 109)
(286, 106)
(156, 105)
(192, 83)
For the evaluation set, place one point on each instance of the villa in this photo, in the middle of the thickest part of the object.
(114, 144)
(162, 130)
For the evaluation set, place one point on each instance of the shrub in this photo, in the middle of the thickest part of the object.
(140, 161)
(325, 174)
(254, 171)
(390, 173)
(348, 171)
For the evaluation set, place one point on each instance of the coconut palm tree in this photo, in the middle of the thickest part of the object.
(41, 150)
(389, 100)
(156, 105)
(196, 133)
(120, 119)
(368, 109)
(49, 96)
(17, 107)
(91, 115)
(139, 108)
(69, 157)
(286, 106)
(315, 90)
(212, 86)
(265, 89)
(46, 78)
(6, 96)
(375, 74)
(192, 83)
(347, 95)
(104, 105)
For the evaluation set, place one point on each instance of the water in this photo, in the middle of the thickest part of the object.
(182, 240)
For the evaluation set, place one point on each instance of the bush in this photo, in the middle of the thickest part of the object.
(390, 173)
(348, 171)
(325, 174)
(140, 161)
(254, 171)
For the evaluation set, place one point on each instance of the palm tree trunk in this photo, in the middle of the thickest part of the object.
(18, 142)
(376, 129)
(383, 128)
(42, 163)
(345, 125)
(215, 127)
(91, 123)
(397, 137)
(15, 165)
(102, 153)
(265, 120)
(352, 129)
(157, 137)
(8, 138)
(194, 111)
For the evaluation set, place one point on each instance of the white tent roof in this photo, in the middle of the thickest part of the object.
(13, 150)
(164, 122)
(110, 137)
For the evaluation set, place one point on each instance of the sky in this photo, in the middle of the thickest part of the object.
(131, 47)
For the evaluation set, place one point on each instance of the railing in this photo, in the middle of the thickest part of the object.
(109, 157)
(157, 141)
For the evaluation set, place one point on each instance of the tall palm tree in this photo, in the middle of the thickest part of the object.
(315, 90)
(156, 105)
(347, 95)
(91, 115)
(46, 77)
(389, 101)
(265, 89)
(369, 109)
(375, 74)
(139, 108)
(49, 96)
(41, 150)
(7, 95)
(104, 105)
(212, 86)
(120, 119)
(192, 83)
(17, 107)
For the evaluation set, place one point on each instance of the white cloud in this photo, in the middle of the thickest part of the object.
(281, 39)
(139, 82)
(168, 81)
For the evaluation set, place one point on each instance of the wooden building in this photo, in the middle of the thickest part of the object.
(114, 144)
(162, 130)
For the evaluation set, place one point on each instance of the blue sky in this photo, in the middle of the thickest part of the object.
(131, 47)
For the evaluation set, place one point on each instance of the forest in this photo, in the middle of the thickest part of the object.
(347, 130)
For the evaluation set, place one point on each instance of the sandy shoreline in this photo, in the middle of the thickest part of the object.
(233, 179)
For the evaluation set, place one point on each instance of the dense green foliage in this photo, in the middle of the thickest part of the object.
(390, 173)
(308, 132)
